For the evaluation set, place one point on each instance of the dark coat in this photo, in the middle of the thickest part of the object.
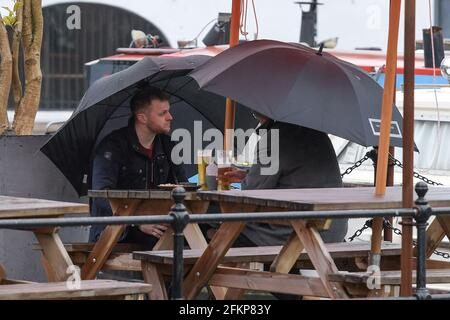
(121, 164)
(306, 160)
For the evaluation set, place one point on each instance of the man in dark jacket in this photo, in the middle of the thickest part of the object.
(137, 157)
(304, 158)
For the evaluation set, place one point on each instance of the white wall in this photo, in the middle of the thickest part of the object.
(356, 22)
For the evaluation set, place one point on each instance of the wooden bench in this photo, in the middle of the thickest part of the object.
(120, 258)
(92, 289)
(348, 256)
(4, 280)
(384, 283)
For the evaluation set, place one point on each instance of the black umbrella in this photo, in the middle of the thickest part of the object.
(296, 84)
(105, 107)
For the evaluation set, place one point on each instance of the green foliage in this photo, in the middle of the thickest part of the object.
(17, 5)
(11, 18)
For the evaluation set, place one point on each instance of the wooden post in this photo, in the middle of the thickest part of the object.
(386, 119)
(408, 145)
(388, 234)
(230, 108)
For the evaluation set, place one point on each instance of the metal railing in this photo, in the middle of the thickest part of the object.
(179, 218)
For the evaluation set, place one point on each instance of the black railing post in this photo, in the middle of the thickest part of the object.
(373, 155)
(181, 219)
(422, 215)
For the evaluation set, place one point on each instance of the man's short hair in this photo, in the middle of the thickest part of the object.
(145, 96)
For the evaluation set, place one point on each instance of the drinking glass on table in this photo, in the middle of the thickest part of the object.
(203, 159)
(224, 161)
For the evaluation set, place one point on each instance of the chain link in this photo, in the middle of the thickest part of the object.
(397, 231)
(356, 165)
(416, 175)
(387, 224)
(393, 161)
(367, 225)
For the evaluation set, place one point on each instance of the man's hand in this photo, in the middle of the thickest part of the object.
(155, 230)
(236, 174)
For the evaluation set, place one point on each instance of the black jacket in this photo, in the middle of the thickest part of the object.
(121, 164)
(306, 159)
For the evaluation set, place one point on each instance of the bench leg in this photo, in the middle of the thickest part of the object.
(435, 234)
(165, 242)
(288, 255)
(55, 254)
(108, 239)
(153, 277)
(320, 257)
(49, 272)
(205, 266)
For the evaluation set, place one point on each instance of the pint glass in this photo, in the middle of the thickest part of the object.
(223, 165)
(203, 159)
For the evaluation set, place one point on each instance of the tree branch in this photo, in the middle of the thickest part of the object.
(5, 76)
(27, 31)
(32, 42)
(17, 37)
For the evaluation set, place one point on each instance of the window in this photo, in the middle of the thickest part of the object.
(103, 29)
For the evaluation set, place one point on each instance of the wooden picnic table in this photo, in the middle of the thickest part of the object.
(342, 199)
(148, 202)
(55, 258)
(305, 234)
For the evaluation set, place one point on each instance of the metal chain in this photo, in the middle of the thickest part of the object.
(367, 225)
(397, 231)
(356, 165)
(387, 224)
(393, 162)
(416, 175)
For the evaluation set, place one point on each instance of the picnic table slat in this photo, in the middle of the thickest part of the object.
(267, 281)
(16, 208)
(390, 277)
(325, 198)
(138, 194)
(268, 253)
(88, 289)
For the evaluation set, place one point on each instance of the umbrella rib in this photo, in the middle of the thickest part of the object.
(357, 98)
(184, 85)
(167, 84)
(207, 118)
(150, 78)
(181, 99)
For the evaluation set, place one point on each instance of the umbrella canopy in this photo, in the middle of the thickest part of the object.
(105, 107)
(296, 84)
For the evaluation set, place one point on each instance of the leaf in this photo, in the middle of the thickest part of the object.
(17, 6)
(7, 21)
